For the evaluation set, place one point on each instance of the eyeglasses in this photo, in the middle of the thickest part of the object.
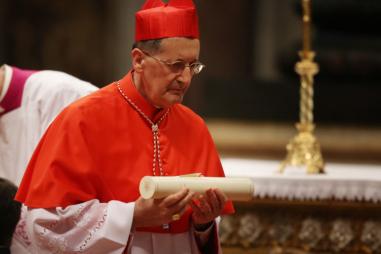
(179, 66)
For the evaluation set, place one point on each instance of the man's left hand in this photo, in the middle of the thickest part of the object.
(207, 207)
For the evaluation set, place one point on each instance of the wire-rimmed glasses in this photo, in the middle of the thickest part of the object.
(179, 66)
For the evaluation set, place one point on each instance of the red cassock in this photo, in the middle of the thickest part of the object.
(100, 147)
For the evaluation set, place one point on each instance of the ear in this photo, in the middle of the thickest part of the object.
(137, 57)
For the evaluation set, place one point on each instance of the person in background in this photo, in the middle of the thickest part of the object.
(29, 101)
(81, 186)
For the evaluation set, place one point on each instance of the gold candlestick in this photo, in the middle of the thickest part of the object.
(304, 148)
(306, 26)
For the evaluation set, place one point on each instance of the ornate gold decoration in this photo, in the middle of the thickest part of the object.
(176, 216)
(304, 148)
(341, 234)
(371, 236)
(298, 229)
(249, 230)
(310, 233)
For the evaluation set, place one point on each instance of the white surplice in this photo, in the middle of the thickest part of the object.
(93, 227)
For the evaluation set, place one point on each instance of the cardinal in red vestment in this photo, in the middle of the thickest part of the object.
(81, 185)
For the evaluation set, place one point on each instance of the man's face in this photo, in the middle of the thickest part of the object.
(162, 84)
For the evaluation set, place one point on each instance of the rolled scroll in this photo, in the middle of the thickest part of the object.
(237, 189)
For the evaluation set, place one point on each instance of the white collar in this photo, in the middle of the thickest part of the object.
(7, 80)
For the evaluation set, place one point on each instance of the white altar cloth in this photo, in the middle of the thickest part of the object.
(353, 182)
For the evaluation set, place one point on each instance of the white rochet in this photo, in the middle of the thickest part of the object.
(235, 188)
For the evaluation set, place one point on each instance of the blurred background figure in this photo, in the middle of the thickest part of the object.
(29, 101)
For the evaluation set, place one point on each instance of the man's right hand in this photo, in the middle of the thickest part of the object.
(155, 212)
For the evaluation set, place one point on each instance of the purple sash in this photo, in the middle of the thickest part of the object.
(13, 96)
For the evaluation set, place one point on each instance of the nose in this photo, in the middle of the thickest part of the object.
(185, 76)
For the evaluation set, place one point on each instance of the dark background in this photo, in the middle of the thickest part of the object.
(249, 46)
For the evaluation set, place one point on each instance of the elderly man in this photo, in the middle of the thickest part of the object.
(82, 183)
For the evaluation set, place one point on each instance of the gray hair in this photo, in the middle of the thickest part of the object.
(151, 46)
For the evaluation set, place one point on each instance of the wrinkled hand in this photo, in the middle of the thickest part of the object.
(154, 212)
(208, 207)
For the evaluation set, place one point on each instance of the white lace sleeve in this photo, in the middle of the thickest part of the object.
(89, 227)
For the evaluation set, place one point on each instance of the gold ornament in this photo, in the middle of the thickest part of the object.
(304, 148)
(176, 216)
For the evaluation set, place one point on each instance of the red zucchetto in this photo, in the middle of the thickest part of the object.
(156, 20)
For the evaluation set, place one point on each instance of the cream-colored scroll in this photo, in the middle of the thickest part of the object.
(238, 189)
